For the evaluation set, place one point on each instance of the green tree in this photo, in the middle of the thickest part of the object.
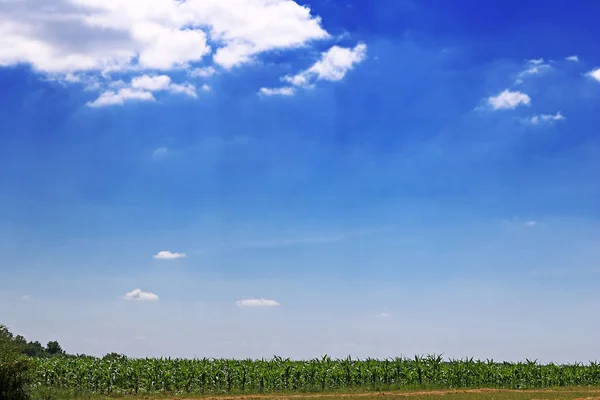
(14, 368)
(53, 348)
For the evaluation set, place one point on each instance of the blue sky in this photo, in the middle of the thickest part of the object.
(243, 179)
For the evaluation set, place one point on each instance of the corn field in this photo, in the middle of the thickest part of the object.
(151, 376)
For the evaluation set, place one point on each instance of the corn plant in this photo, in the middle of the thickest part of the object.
(121, 375)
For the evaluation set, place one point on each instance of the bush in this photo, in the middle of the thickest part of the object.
(14, 377)
(14, 368)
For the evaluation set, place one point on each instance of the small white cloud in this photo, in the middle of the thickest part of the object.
(283, 91)
(26, 297)
(545, 118)
(206, 88)
(383, 315)
(167, 255)
(160, 153)
(139, 295)
(572, 58)
(533, 67)
(257, 303)
(536, 69)
(111, 98)
(151, 83)
(203, 72)
(187, 89)
(508, 100)
(162, 83)
(531, 224)
(333, 65)
(595, 73)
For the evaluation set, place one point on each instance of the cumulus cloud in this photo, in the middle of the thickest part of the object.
(141, 88)
(103, 39)
(572, 58)
(283, 91)
(332, 66)
(139, 295)
(115, 35)
(545, 118)
(111, 98)
(508, 100)
(203, 72)
(167, 255)
(162, 83)
(151, 83)
(595, 73)
(257, 303)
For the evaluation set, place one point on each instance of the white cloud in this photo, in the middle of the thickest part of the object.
(26, 297)
(531, 224)
(508, 100)
(162, 83)
(206, 88)
(283, 91)
(111, 98)
(533, 67)
(160, 153)
(187, 89)
(167, 255)
(545, 118)
(203, 72)
(104, 39)
(383, 315)
(333, 65)
(151, 83)
(257, 303)
(115, 35)
(572, 58)
(595, 74)
(139, 295)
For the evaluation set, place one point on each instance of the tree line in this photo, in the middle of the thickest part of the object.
(20, 346)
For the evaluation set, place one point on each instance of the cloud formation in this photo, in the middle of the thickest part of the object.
(167, 255)
(332, 66)
(595, 74)
(572, 58)
(139, 295)
(283, 91)
(508, 100)
(112, 98)
(116, 35)
(545, 118)
(534, 67)
(257, 303)
(96, 41)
